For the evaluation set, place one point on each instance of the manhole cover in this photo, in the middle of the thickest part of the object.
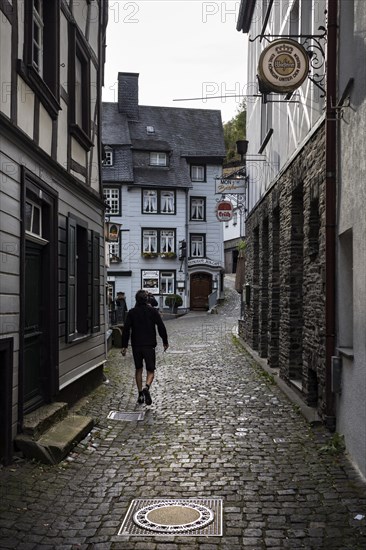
(195, 517)
(127, 416)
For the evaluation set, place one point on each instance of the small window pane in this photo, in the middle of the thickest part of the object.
(167, 282)
(197, 173)
(150, 240)
(28, 216)
(150, 202)
(36, 225)
(112, 198)
(167, 240)
(197, 246)
(158, 159)
(167, 202)
(108, 158)
(78, 92)
(197, 209)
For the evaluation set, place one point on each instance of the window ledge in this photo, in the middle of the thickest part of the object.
(347, 352)
(79, 134)
(37, 84)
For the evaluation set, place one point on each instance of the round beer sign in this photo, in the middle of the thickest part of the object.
(283, 66)
(224, 211)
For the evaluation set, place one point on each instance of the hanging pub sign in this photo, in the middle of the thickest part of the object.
(111, 232)
(283, 66)
(224, 211)
(226, 186)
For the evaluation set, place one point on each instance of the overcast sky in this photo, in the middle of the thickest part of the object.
(180, 48)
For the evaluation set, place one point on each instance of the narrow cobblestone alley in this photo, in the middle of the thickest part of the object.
(217, 427)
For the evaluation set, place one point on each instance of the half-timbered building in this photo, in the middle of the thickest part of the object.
(51, 205)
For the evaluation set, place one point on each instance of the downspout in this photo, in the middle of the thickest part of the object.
(330, 208)
(186, 275)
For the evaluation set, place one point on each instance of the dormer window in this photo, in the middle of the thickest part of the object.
(158, 159)
(108, 156)
(150, 130)
(198, 173)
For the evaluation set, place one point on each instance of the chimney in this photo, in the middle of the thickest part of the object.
(128, 94)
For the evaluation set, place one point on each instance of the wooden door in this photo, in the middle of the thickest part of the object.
(201, 287)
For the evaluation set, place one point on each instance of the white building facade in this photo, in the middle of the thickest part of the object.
(159, 180)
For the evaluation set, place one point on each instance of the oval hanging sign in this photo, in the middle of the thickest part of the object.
(224, 211)
(283, 66)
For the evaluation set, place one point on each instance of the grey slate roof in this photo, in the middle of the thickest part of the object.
(181, 132)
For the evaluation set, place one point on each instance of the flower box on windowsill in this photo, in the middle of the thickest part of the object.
(115, 259)
(149, 255)
(168, 255)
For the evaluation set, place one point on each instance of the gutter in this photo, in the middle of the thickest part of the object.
(330, 210)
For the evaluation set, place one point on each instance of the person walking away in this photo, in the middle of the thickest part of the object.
(141, 323)
(121, 306)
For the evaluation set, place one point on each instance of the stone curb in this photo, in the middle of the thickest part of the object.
(309, 413)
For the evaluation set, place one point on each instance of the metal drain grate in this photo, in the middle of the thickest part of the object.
(127, 416)
(199, 517)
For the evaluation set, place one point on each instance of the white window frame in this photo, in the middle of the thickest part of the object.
(37, 46)
(114, 251)
(108, 158)
(197, 204)
(150, 240)
(150, 201)
(167, 240)
(167, 280)
(167, 202)
(197, 246)
(197, 172)
(158, 159)
(34, 207)
(112, 197)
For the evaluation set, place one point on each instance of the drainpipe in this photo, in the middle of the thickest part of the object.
(330, 209)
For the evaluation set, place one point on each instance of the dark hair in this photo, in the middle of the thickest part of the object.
(141, 297)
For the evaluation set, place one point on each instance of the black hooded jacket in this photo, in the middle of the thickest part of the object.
(141, 322)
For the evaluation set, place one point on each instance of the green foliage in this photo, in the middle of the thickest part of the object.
(335, 446)
(235, 130)
(241, 245)
(173, 300)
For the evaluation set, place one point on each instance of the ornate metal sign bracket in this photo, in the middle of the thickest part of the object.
(314, 45)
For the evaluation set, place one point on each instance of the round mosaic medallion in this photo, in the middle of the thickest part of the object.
(173, 516)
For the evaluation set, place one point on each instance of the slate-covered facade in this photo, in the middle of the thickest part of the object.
(159, 175)
(52, 209)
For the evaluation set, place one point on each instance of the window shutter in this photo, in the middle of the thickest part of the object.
(95, 242)
(71, 280)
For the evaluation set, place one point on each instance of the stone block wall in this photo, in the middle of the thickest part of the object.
(285, 259)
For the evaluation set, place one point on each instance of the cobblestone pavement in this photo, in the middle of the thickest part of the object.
(217, 428)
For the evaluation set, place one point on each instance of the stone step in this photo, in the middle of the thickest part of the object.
(54, 444)
(40, 420)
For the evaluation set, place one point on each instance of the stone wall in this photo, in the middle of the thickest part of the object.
(285, 258)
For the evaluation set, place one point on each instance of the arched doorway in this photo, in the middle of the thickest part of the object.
(201, 287)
